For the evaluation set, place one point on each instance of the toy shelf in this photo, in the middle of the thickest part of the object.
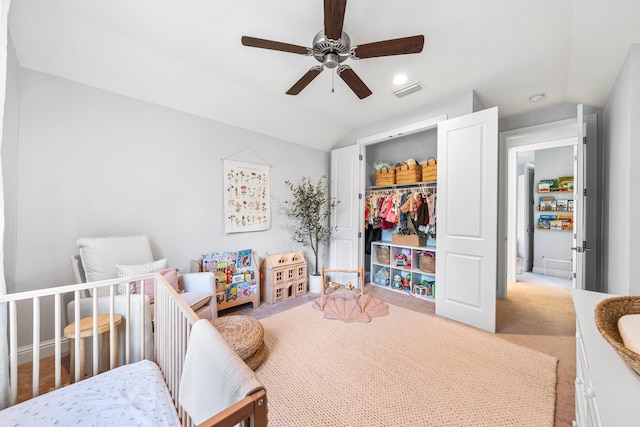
(398, 268)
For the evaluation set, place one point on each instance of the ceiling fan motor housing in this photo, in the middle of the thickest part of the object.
(331, 52)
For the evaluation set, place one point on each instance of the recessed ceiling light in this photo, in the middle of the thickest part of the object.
(400, 79)
(537, 97)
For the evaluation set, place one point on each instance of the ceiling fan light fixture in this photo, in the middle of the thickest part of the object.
(331, 60)
(408, 89)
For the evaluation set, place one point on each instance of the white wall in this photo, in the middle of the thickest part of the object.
(551, 164)
(452, 106)
(10, 168)
(92, 163)
(418, 146)
(621, 197)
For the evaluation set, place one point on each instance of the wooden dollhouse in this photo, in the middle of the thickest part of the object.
(284, 276)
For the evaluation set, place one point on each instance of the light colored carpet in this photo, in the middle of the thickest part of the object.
(402, 369)
(345, 306)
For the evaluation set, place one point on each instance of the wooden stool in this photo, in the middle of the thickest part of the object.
(86, 330)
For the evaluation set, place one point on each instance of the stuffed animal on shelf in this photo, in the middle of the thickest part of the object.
(397, 282)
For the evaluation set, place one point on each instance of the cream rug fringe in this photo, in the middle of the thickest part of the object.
(402, 369)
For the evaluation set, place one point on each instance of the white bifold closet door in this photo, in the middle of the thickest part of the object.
(467, 219)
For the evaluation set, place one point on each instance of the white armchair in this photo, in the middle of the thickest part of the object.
(100, 258)
(104, 258)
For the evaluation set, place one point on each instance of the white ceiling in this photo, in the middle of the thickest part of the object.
(187, 55)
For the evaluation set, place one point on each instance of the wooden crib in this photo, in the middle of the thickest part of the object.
(172, 326)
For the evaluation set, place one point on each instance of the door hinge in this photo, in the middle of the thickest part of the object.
(360, 156)
(584, 139)
(360, 196)
(584, 191)
(359, 234)
(574, 275)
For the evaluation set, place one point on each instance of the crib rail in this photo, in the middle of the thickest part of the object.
(173, 322)
(17, 302)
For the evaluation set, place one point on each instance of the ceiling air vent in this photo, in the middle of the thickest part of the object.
(408, 89)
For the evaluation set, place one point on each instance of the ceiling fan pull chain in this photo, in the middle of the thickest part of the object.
(333, 79)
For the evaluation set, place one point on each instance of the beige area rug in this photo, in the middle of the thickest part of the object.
(345, 306)
(402, 369)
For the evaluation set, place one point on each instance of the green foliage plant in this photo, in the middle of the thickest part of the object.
(311, 206)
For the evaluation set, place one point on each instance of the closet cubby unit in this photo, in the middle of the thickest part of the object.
(404, 268)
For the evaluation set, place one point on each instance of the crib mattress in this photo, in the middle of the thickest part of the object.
(133, 394)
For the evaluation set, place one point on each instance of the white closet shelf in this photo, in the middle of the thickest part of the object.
(428, 185)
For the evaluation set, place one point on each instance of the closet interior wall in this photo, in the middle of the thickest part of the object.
(419, 146)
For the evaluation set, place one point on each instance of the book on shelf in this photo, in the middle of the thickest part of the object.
(545, 185)
(562, 205)
(566, 222)
(544, 222)
(547, 203)
(555, 224)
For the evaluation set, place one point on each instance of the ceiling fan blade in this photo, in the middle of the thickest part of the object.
(401, 46)
(334, 18)
(353, 81)
(305, 80)
(269, 44)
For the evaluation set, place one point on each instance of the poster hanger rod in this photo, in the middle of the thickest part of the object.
(254, 152)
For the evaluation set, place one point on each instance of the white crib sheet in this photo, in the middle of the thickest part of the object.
(131, 395)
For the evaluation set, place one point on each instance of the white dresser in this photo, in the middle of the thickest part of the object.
(607, 391)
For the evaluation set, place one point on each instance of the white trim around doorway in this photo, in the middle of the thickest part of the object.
(549, 135)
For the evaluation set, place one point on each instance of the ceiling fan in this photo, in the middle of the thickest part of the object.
(332, 46)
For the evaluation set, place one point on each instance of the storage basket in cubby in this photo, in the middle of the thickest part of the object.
(427, 261)
(384, 255)
(386, 176)
(409, 239)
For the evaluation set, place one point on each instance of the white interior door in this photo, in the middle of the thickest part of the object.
(346, 250)
(579, 220)
(528, 215)
(467, 219)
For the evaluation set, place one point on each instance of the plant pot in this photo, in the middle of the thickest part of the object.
(315, 283)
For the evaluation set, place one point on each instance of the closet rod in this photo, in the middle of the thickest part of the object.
(431, 186)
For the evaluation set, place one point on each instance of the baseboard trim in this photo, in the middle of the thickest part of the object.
(47, 348)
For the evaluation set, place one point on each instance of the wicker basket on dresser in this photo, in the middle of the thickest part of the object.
(284, 276)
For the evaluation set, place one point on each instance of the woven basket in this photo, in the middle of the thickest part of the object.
(430, 170)
(408, 239)
(607, 313)
(407, 174)
(386, 176)
(427, 262)
(384, 255)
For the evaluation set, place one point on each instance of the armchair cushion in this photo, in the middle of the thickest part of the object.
(137, 270)
(197, 283)
(196, 300)
(100, 255)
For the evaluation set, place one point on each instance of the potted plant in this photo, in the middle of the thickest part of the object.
(311, 206)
